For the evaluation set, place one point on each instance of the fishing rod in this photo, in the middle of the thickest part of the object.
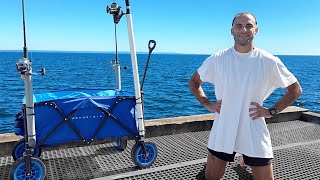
(135, 71)
(25, 50)
(25, 70)
(117, 13)
(24, 67)
(115, 10)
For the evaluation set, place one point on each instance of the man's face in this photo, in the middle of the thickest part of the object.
(244, 29)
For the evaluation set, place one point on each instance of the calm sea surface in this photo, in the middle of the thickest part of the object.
(166, 92)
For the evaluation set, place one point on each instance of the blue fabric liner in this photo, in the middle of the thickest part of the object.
(81, 93)
(87, 115)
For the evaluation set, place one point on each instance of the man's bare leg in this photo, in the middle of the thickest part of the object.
(215, 168)
(262, 172)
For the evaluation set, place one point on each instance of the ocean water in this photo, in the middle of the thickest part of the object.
(166, 92)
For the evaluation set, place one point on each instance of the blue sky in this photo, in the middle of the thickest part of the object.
(286, 27)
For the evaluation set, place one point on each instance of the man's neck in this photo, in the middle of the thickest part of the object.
(243, 49)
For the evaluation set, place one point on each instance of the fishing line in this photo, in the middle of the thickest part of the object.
(25, 50)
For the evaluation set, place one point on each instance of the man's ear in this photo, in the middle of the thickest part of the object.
(256, 30)
(231, 31)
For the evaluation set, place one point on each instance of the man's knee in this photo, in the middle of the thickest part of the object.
(215, 168)
(262, 172)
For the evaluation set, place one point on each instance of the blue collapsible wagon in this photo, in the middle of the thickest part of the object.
(85, 115)
(82, 115)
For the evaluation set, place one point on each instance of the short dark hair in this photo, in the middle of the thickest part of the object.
(237, 15)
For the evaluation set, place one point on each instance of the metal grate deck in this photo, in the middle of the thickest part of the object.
(183, 156)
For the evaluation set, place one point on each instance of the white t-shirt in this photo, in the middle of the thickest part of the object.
(239, 79)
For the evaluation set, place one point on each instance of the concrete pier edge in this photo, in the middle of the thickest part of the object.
(174, 125)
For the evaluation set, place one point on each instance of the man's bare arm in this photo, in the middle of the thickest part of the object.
(196, 89)
(293, 93)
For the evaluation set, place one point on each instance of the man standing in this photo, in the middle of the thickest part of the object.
(243, 77)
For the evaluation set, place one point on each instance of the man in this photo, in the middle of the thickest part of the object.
(243, 77)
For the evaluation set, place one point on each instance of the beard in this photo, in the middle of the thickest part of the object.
(243, 41)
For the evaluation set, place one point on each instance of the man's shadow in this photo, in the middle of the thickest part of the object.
(242, 172)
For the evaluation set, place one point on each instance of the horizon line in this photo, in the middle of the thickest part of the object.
(74, 51)
(128, 52)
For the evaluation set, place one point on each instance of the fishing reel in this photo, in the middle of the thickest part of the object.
(23, 65)
(114, 64)
(24, 68)
(116, 11)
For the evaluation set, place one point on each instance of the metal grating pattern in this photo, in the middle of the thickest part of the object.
(5, 167)
(315, 147)
(293, 132)
(299, 162)
(201, 136)
(188, 172)
(288, 126)
(89, 162)
(178, 148)
(195, 172)
(183, 156)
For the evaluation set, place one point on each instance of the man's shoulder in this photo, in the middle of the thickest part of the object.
(267, 55)
(223, 52)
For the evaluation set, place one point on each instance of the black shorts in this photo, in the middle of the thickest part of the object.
(250, 161)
